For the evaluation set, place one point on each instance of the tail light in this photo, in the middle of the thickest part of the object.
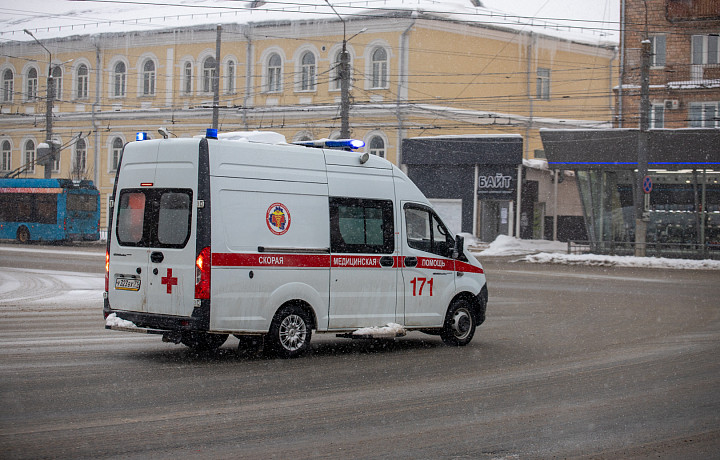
(107, 270)
(202, 274)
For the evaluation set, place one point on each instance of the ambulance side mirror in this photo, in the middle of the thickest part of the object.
(459, 247)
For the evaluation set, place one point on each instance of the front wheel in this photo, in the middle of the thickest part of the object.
(202, 341)
(290, 332)
(459, 326)
(23, 235)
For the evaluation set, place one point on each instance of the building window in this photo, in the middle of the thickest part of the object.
(83, 79)
(274, 73)
(307, 72)
(8, 86)
(32, 84)
(6, 156)
(119, 80)
(149, 78)
(657, 116)
(187, 78)
(80, 157)
(705, 50)
(116, 150)
(57, 75)
(657, 47)
(30, 156)
(543, 84)
(705, 115)
(208, 75)
(379, 68)
(230, 77)
(376, 146)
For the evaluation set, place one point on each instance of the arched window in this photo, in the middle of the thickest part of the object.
(149, 78)
(187, 78)
(30, 155)
(208, 74)
(119, 79)
(376, 146)
(8, 86)
(274, 73)
(32, 84)
(83, 80)
(116, 150)
(6, 156)
(307, 72)
(57, 75)
(230, 77)
(80, 156)
(379, 68)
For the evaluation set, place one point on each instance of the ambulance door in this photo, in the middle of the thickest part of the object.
(428, 271)
(363, 284)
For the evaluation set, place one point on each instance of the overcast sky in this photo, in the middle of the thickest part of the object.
(595, 10)
(54, 18)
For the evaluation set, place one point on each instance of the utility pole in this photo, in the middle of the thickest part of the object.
(344, 76)
(216, 80)
(642, 152)
(49, 158)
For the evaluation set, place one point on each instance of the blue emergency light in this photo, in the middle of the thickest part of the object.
(334, 143)
(142, 136)
(211, 133)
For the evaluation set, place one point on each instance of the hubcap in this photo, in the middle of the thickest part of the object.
(461, 323)
(293, 332)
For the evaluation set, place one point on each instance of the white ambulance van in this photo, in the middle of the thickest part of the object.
(247, 235)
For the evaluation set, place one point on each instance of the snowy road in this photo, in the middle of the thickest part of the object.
(572, 361)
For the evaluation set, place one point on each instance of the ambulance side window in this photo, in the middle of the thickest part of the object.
(361, 226)
(426, 232)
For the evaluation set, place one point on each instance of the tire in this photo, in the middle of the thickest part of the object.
(290, 332)
(460, 323)
(202, 341)
(23, 235)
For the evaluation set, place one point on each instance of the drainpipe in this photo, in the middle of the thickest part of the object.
(96, 104)
(402, 88)
(622, 65)
(249, 49)
(529, 95)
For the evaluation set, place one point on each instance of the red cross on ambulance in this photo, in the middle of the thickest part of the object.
(169, 280)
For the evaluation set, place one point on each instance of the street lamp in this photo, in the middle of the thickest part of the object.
(48, 160)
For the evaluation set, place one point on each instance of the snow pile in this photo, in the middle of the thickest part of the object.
(113, 320)
(390, 331)
(508, 246)
(622, 261)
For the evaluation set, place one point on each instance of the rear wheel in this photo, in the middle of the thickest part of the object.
(290, 332)
(202, 341)
(23, 234)
(459, 325)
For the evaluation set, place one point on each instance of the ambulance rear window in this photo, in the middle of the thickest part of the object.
(157, 218)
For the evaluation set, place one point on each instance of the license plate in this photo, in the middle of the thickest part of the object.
(127, 284)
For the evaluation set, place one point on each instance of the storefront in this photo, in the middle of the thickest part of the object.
(471, 180)
(682, 203)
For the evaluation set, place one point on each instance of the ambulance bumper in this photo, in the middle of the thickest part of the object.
(156, 324)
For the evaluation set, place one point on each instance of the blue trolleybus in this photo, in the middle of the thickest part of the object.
(49, 210)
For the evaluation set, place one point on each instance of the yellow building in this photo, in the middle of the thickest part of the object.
(415, 71)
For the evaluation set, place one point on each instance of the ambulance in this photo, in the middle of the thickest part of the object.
(244, 234)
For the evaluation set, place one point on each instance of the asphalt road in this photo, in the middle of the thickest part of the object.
(572, 362)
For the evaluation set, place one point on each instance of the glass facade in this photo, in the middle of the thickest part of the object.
(683, 211)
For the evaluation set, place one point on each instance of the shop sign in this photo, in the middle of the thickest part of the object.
(497, 182)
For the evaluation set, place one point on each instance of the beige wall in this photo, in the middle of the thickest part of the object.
(443, 78)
